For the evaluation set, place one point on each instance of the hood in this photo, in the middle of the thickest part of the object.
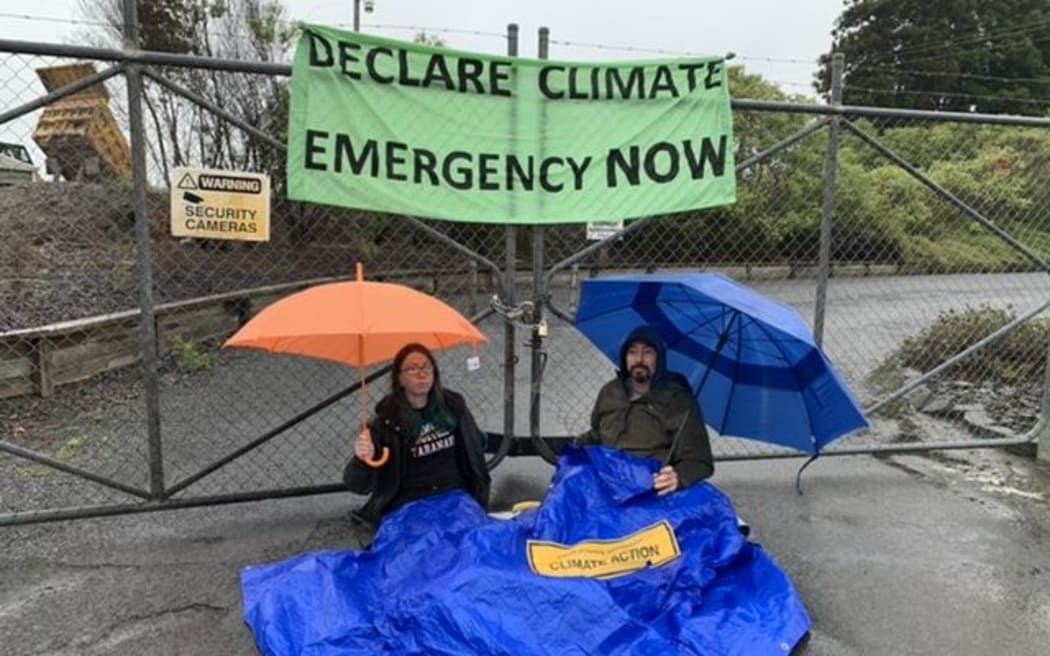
(651, 337)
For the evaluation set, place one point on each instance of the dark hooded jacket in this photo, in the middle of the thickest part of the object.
(647, 425)
(384, 483)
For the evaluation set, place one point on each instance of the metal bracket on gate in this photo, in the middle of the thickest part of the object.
(522, 314)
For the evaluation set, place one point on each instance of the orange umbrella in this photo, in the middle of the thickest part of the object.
(357, 323)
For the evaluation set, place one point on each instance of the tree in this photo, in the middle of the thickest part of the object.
(185, 133)
(962, 55)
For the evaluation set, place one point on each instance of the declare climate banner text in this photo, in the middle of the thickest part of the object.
(398, 127)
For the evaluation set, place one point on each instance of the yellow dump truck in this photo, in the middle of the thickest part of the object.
(78, 133)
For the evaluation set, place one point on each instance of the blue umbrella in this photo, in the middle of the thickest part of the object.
(755, 367)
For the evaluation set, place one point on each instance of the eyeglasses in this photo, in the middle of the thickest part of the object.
(418, 370)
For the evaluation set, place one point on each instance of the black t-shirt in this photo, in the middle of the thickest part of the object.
(431, 465)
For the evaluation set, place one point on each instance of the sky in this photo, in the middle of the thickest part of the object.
(778, 39)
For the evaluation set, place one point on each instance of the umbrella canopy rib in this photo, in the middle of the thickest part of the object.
(732, 389)
(801, 386)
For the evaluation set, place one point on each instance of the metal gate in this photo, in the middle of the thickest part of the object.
(116, 397)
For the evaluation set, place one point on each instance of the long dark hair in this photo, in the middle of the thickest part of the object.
(436, 407)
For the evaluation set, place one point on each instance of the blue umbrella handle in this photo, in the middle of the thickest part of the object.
(722, 339)
(678, 436)
(798, 476)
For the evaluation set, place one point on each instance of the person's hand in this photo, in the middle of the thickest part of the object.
(665, 481)
(364, 448)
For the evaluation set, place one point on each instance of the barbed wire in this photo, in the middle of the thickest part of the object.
(423, 28)
(239, 38)
(949, 94)
(968, 76)
(970, 39)
(52, 19)
(785, 83)
(952, 55)
(457, 30)
(777, 60)
(666, 51)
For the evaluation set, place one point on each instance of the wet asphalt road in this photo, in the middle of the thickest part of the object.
(898, 556)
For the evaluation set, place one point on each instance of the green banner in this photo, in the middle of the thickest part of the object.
(399, 127)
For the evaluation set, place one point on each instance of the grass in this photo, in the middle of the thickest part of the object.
(69, 448)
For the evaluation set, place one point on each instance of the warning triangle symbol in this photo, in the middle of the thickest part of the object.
(187, 182)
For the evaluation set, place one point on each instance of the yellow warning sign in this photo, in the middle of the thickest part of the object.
(213, 204)
(603, 559)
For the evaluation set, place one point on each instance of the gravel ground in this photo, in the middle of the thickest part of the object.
(69, 252)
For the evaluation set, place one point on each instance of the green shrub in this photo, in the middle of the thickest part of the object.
(190, 357)
(1018, 357)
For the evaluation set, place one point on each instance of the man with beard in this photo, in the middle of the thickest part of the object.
(646, 407)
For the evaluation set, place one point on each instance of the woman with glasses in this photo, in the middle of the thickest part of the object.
(435, 445)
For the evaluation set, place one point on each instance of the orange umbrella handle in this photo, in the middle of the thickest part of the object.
(376, 463)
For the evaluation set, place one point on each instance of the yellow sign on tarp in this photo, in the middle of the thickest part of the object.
(213, 204)
(603, 559)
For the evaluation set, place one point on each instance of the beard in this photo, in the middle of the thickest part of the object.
(641, 374)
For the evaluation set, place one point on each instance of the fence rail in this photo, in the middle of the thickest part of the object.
(883, 225)
(36, 360)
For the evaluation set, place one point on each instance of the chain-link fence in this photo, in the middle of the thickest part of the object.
(929, 289)
(917, 246)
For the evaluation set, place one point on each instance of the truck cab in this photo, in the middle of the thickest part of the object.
(16, 166)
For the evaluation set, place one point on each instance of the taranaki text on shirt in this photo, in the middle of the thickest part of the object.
(431, 440)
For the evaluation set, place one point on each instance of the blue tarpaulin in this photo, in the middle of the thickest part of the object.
(443, 577)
